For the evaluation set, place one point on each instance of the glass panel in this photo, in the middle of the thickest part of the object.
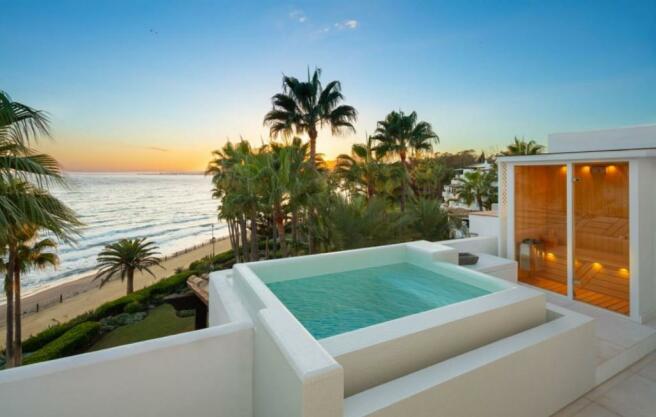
(601, 235)
(541, 226)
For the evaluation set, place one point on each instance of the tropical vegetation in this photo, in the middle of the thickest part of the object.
(123, 258)
(118, 322)
(280, 199)
(523, 147)
(27, 209)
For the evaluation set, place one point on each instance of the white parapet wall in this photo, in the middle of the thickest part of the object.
(377, 354)
(533, 373)
(206, 373)
(293, 375)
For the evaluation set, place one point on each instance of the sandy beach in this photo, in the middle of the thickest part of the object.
(83, 294)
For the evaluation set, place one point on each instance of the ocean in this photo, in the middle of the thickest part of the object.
(175, 211)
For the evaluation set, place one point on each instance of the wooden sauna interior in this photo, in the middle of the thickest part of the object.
(601, 235)
(541, 216)
(601, 231)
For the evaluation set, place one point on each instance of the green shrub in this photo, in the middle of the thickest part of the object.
(174, 283)
(41, 339)
(118, 305)
(74, 340)
(134, 307)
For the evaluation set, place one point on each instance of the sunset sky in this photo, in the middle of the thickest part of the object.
(156, 85)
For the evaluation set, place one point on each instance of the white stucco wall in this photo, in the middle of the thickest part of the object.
(534, 373)
(377, 354)
(635, 137)
(293, 375)
(643, 258)
(484, 225)
(205, 373)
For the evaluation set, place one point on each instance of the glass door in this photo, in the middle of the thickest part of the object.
(601, 235)
(541, 226)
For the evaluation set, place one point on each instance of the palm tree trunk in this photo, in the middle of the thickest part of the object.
(310, 236)
(255, 250)
(9, 291)
(294, 231)
(479, 201)
(280, 226)
(130, 281)
(18, 342)
(404, 182)
(312, 132)
(274, 241)
(244, 237)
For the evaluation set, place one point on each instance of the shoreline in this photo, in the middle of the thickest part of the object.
(84, 276)
(65, 300)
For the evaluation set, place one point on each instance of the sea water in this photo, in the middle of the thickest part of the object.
(174, 211)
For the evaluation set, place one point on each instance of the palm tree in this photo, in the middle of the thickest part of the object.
(306, 107)
(358, 171)
(29, 254)
(235, 190)
(428, 220)
(36, 209)
(125, 257)
(25, 203)
(523, 147)
(398, 135)
(479, 186)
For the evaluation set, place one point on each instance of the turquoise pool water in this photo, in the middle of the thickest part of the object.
(331, 304)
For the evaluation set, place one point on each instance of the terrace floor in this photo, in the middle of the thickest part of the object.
(631, 393)
(626, 366)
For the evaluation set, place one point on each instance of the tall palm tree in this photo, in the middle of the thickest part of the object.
(125, 257)
(30, 253)
(37, 210)
(398, 135)
(306, 106)
(523, 147)
(235, 188)
(25, 202)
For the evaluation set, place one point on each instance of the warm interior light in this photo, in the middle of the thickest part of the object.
(596, 266)
(586, 169)
(624, 272)
(563, 169)
(551, 256)
(611, 169)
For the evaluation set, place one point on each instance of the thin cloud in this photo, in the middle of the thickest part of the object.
(298, 15)
(155, 148)
(350, 24)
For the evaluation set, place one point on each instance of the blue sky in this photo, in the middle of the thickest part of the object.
(158, 84)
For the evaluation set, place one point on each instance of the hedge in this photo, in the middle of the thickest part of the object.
(174, 283)
(74, 340)
(41, 339)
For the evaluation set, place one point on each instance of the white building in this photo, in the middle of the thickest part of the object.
(585, 213)
(451, 191)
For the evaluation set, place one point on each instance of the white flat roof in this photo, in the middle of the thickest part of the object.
(602, 145)
(613, 155)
